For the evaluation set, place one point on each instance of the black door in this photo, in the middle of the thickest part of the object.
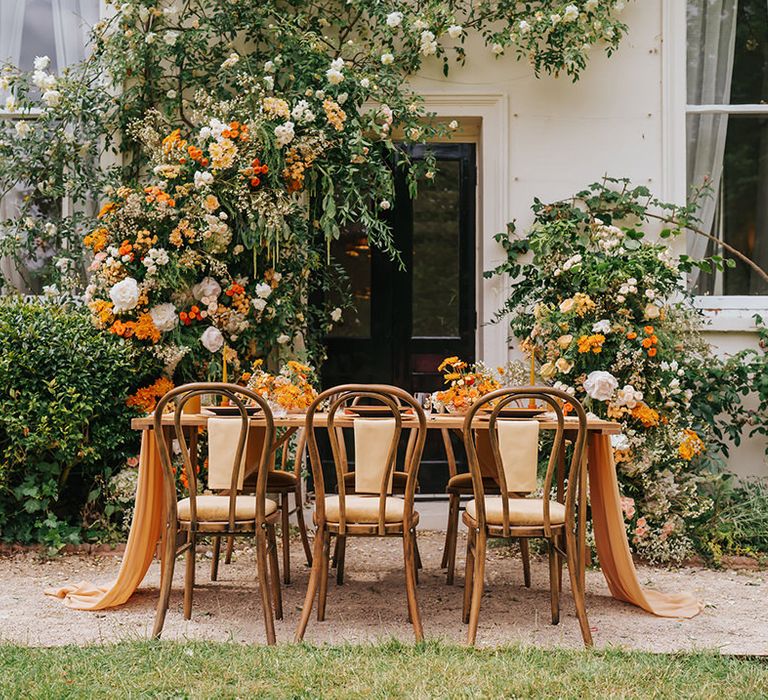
(407, 320)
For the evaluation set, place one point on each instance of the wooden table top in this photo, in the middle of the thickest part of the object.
(434, 422)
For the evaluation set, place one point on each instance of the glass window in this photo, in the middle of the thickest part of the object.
(728, 137)
(353, 253)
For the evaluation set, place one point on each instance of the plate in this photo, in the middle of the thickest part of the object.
(232, 410)
(374, 411)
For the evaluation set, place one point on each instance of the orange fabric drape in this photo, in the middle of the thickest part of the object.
(608, 522)
(146, 529)
(611, 540)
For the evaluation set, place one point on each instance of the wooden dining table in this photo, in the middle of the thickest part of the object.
(599, 478)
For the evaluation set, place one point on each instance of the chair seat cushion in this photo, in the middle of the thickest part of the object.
(399, 481)
(215, 509)
(277, 479)
(364, 509)
(522, 511)
(463, 482)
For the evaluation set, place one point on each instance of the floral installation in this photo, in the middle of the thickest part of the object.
(291, 390)
(466, 384)
(603, 306)
(145, 399)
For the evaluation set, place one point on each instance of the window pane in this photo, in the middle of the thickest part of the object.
(742, 216)
(37, 37)
(353, 253)
(436, 254)
(750, 84)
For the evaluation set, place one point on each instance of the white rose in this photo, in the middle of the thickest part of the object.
(603, 326)
(571, 13)
(394, 19)
(387, 59)
(207, 287)
(212, 339)
(619, 442)
(42, 62)
(600, 385)
(283, 339)
(22, 128)
(269, 67)
(164, 317)
(171, 38)
(652, 311)
(365, 83)
(259, 304)
(336, 315)
(52, 97)
(385, 204)
(455, 31)
(453, 125)
(203, 178)
(284, 134)
(263, 290)
(497, 49)
(231, 61)
(524, 27)
(125, 295)
(334, 76)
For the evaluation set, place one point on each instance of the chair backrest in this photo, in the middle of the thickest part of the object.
(376, 444)
(238, 396)
(510, 448)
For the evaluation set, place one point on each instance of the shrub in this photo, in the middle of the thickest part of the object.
(64, 423)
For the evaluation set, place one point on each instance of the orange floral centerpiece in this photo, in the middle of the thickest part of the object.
(289, 391)
(466, 384)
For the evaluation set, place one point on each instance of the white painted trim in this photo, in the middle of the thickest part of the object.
(732, 313)
(673, 98)
(727, 109)
(493, 211)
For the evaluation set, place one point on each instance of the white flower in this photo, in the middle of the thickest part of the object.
(652, 311)
(365, 83)
(263, 290)
(620, 442)
(334, 76)
(22, 128)
(628, 396)
(205, 133)
(230, 61)
(259, 304)
(269, 81)
(143, 13)
(150, 38)
(212, 339)
(453, 125)
(42, 62)
(171, 94)
(603, 326)
(385, 204)
(284, 134)
(497, 49)
(208, 288)
(650, 293)
(428, 43)
(125, 295)
(269, 67)
(590, 5)
(336, 315)
(10, 103)
(52, 97)
(420, 24)
(555, 19)
(337, 63)
(600, 385)
(203, 178)
(394, 19)
(342, 98)
(618, 6)
(571, 13)
(387, 59)
(164, 317)
(524, 27)
(283, 339)
(455, 31)
(170, 38)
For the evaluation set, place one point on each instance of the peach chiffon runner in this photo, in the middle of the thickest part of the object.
(608, 522)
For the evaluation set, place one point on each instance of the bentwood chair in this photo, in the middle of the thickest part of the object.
(234, 514)
(506, 515)
(460, 485)
(282, 483)
(371, 510)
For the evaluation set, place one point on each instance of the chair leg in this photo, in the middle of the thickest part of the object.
(312, 585)
(477, 586)
(335, 557)
(341, 551)
(469, 570)
(166, 581)
(285, 531)
(322, 595)
(302, 524)
(417, 553)
(274, 572)
(189, 574)
(526, 557)
(554, 581)
(215, 558)
(453, 524)
(230, 547)
(261, 570)
(409, 552)
(575, 573)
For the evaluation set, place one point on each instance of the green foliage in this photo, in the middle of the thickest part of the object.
(63, 418)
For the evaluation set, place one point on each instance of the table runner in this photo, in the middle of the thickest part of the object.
(608, 521)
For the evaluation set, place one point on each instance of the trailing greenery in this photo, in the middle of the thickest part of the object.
(388, 670)
(601, 302)
(64, 423)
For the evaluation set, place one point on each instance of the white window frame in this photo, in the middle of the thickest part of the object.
(726, 313)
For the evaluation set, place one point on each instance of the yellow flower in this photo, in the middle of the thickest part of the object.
(591, 343)
(222, 154)
(564, 341)
(211, 203)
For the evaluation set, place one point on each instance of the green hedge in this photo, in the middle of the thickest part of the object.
(64, 423)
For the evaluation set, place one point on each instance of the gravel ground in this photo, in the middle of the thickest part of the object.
(371, 604)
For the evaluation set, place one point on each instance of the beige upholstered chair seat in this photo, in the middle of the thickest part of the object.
(215, 509)
(280, 479)
(522, 511)
(364, 509)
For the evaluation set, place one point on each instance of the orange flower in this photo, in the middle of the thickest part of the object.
(108, 207)
(631, 335)
(691, 445)
(646, 415)
(145, 399)
(652, 352)
(648, 330)
(123, 329)
(591, 343)
(96, 240)
(146, 329)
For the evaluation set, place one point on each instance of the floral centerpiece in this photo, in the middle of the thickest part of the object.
(290, 391)
(466, 384)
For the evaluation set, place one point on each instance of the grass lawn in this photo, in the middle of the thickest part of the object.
(392, 669)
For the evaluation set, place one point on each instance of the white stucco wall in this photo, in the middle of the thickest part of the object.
(549, 137)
